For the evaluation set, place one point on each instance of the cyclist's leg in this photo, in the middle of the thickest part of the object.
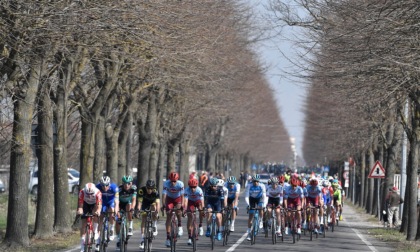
(209, 210)
(169, 206)
(190, 209)
(179, 216)
(129, 211)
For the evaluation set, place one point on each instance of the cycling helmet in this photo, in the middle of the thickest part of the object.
(173, 176)
(105, 180)
(256, 177)
(214, 181)
(335, 183)
(150, 183)
(193, 182)
(313, 182)
(269, 182)
(231, 180)
(274, 180)
(127, 179)
(325, 183)
(294, 181)
(220, 182)
(89, 188)
(281, 179)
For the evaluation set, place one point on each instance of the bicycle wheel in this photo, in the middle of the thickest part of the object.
(332, 220)
(254, 230)
(173, 234)
(122, 236)
(273, 230)
(213, 233)
(87, 238)
(104, 236)
(194, 236)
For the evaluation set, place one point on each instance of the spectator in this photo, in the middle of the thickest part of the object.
(393, 200)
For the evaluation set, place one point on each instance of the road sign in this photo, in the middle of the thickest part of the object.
(346, 175)
(346, 166)
(377, 171)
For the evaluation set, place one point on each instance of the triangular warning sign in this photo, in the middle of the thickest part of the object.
(377, 171)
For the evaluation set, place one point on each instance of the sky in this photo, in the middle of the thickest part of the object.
(289, 94)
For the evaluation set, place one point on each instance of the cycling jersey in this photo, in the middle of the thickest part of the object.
(312, 191)
(213, 198)
(173, 191)
(291, 193)
(109, 196)
(337, 196)
(255, 195)
(127, 196)
(327, 194)
(147, 199)
(232, 190)
(94, 198)
(194, 196)
(275, 195)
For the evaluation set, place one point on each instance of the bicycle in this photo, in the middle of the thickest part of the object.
(104, 232)
(148, 230)
(213, 227)
(194, 232)
(174, 227)
(255, 226)
(325, 220)
(294, 224)
(333, 220)
(89, 234)
(272, 222)
(123, 231)
(311, 223)
(227, 222)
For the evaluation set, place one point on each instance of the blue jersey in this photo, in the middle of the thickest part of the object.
(173, 191)
(253, 191)
(214, 196)
(313, 191)
(194, 196)
(293, 194)
(232, 190)
(109, 195)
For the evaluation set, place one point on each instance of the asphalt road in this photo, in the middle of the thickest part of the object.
(350, 235)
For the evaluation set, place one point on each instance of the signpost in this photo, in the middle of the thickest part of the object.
(377, 172)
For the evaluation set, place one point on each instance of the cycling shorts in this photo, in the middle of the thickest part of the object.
(293, 203)
(273, 202)
(192, 205)
(313, 201)
(172, 202)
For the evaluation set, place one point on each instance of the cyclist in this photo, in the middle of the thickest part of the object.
(193, 199)
(110, 204)
(254, 198)
(127, 196)
(148, 199)
(327, 195)
(89, 202)
(337, 198)
(304, 202)
(275, 198)
(293, 196)
(234, 188)
(313, 196)
(212, 198)
(221, 184)
(173, 197)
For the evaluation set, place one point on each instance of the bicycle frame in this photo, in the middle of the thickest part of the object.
(148, 230)
(104, 232)
(89, 235)
(227, 222)
(294, 224)
(123, 231)
(255, 226)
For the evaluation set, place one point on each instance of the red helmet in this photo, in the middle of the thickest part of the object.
(281, 179)
(313, 182)
(193, 182)
(294, 181)
(173, 176)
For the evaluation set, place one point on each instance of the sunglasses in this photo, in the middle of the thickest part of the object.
(213, 186)
(105, 185)
(127, 183)
(150, 188)
(192, 187)
(173, 181)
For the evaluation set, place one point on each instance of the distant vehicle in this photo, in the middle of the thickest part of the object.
(2, 187)
(72, 175)
(264, 178)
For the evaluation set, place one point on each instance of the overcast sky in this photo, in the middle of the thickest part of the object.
(290, 95)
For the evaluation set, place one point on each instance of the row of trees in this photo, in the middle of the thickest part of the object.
(118, 84)
(361, 64)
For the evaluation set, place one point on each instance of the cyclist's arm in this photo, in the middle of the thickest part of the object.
(235, 202)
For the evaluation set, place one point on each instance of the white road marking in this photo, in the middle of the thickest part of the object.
(370, 246)
(233, 247)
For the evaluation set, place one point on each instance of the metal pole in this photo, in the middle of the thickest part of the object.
(379, 208)
(354, 185)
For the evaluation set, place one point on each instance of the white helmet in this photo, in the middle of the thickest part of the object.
(105, 180)
(220, 182)
(90, 188)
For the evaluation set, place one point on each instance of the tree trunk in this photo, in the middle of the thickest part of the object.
(184, 153)
(413, 231)
(101, 155)
(160, 172)
(124, 145)
(62, 220)
(45, 205)
(371, 182)
(17, 214)
(87, 152)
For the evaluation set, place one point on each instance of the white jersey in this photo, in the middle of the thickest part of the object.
(275, 192)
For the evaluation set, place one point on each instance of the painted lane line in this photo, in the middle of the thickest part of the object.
(368, 244)
(233, 247)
